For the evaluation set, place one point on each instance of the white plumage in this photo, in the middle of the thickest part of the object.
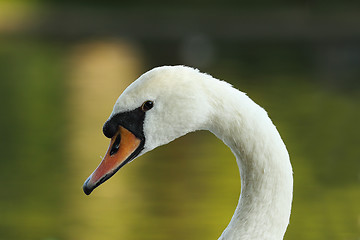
(186, 100)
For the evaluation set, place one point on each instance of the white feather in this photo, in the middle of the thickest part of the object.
(186, 100)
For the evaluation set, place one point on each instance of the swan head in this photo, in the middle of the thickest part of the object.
(160, 106)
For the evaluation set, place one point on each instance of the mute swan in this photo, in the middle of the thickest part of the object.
(168, 102)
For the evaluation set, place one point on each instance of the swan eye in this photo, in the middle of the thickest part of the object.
(147, 105)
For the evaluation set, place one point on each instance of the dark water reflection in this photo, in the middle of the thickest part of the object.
(185, 190)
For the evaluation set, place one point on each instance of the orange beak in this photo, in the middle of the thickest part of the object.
(124, 146)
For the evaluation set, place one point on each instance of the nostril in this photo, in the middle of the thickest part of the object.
(115, 146)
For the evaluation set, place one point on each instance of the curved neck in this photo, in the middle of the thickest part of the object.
(264, 205)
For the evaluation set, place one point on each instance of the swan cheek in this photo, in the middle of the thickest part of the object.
(124, 146)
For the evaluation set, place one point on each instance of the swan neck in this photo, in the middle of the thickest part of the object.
(264, 205)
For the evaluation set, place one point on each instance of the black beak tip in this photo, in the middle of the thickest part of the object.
(86, 188)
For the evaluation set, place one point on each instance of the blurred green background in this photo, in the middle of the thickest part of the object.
(64, 63)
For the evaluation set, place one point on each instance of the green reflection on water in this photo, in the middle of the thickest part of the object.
(185, 190)
(32, 137)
